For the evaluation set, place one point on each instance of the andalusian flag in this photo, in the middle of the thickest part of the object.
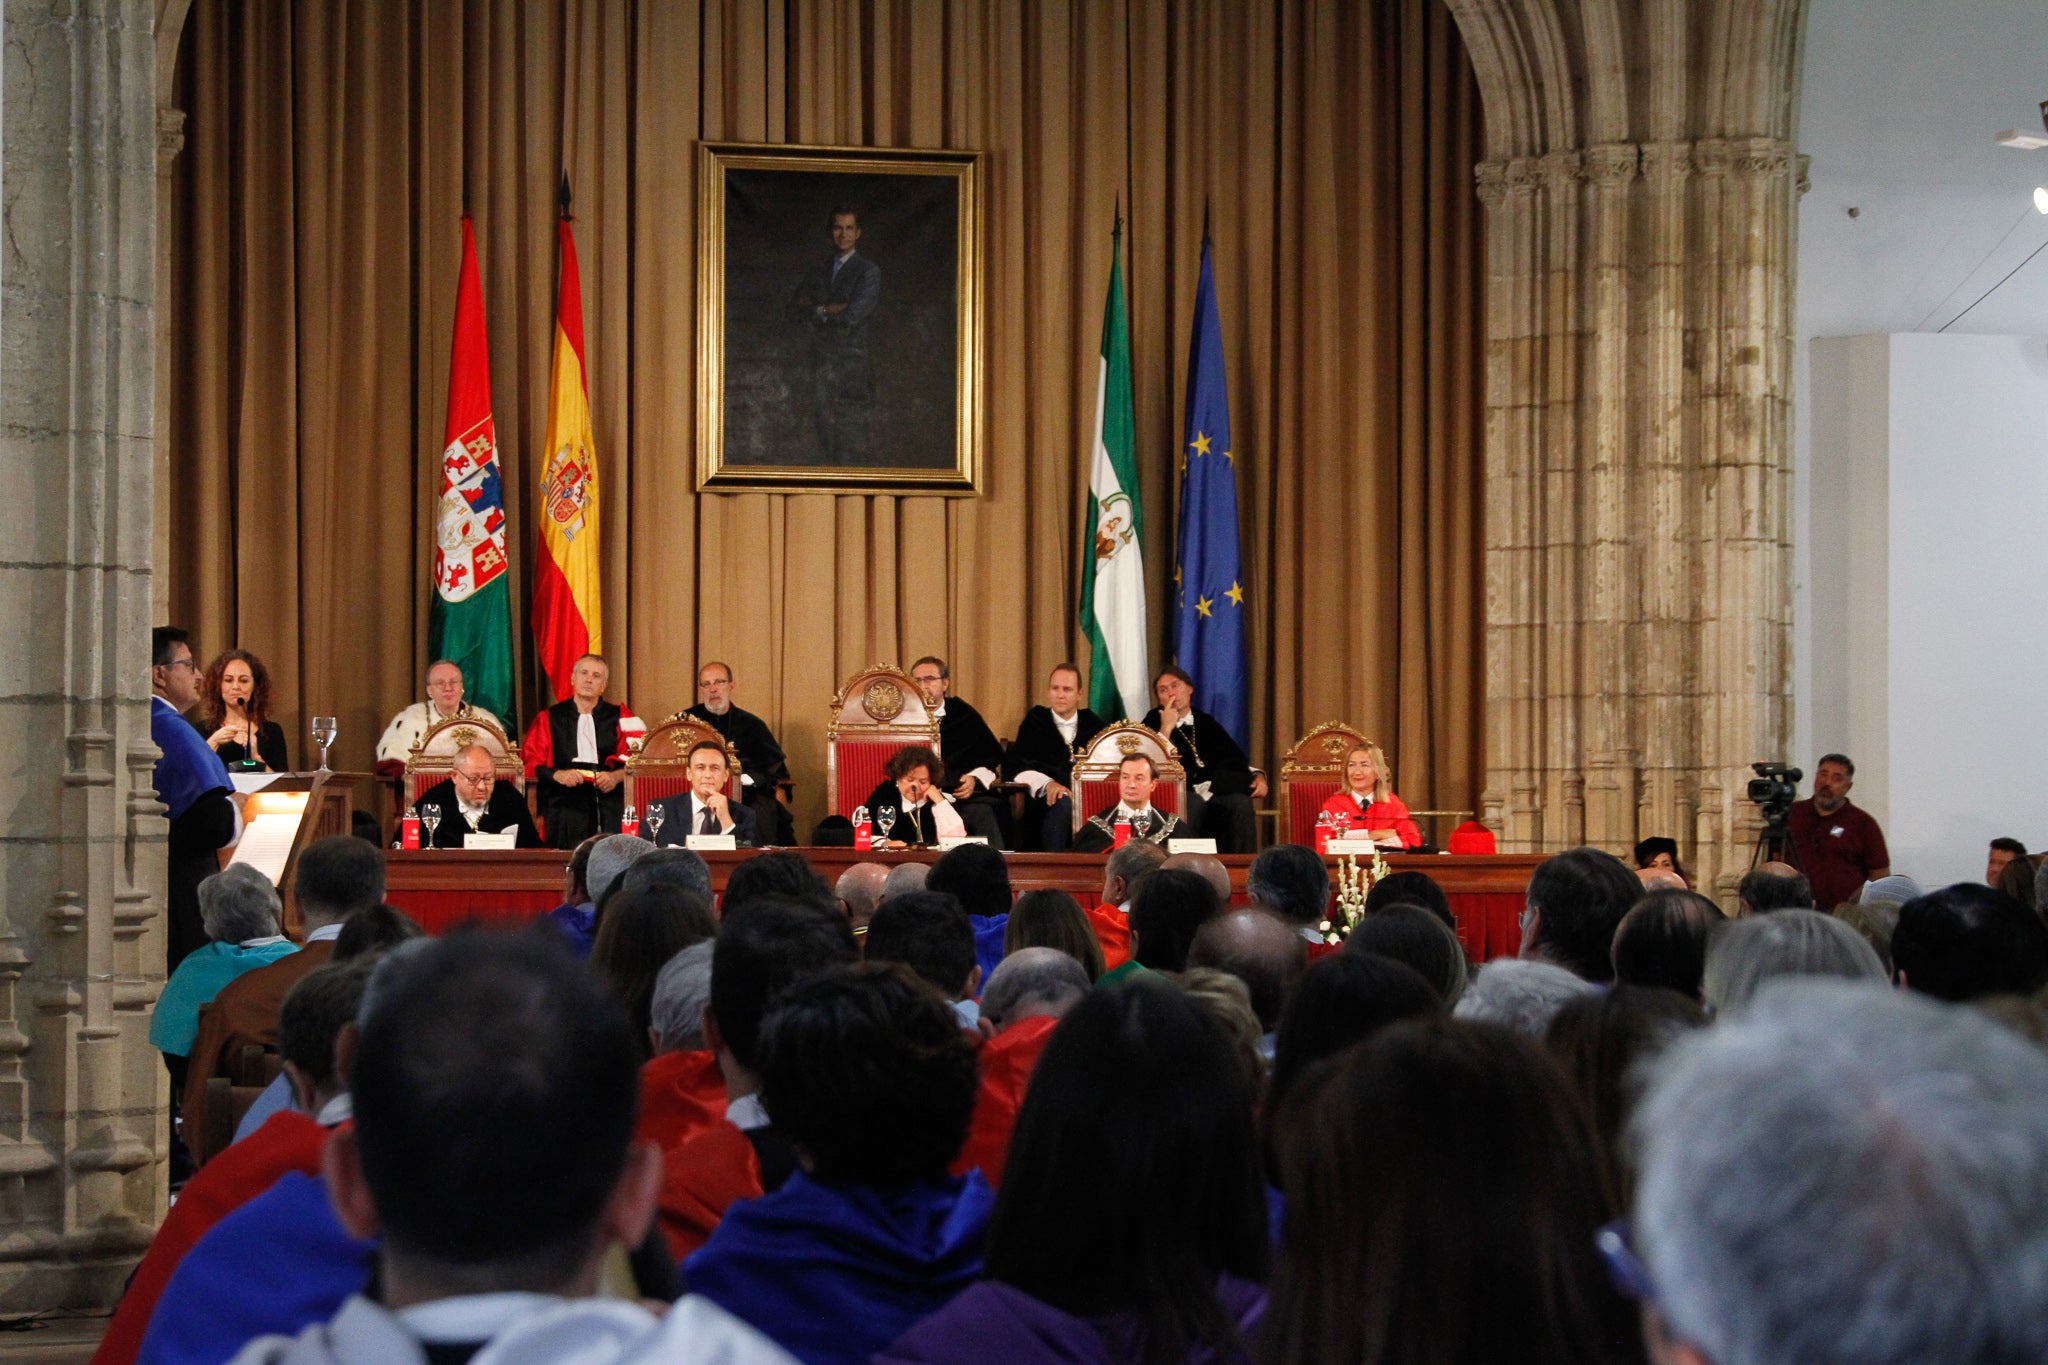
(470, 621)
(1113, 579)
(568, 617)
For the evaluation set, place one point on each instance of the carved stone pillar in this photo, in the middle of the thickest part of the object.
(82, 1094)
(1638, 379)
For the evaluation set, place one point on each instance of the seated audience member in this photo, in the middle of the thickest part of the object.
(1844, 1177)
(1604, 1041)
(1774, 886)
(762, 946)
(1522, 995)
(1025, 999)
(903, 879)
(1171, 907)
(234, 714)
(1659, 854)
(763, 765)
(638, 933)
(867, 1074)
(1124, 874)
(1875, 922)
(1662, 942)
(240, 909)
(443, 702)
(1367, 801)
(1051, 919)
(576, 753)
(705, 808)
(2017, 881)
(1966, 941)
(1222, 784)
(682, 1091)
(1294, 883)
(1390, 1241)
(486, 1241)
(335, 878)
(2003, 851)
(921, 816)
(677, 867)
(1893, 888)
(1137, 777)
(1575, 903)
(1659, 879)
(774, 874)
(1229, 1003)
(1406, 932)
(1042, 757)
(472, 800)
(1417, 887)
(929, 933)
(1745, 953)
(859, 891)
(193, 784)
(977, 876)
(973, 753)
(576, 916)
(1133, 1226)
(314, 1014)
(1212, 869)
(1258, 948)
(1340, 1001)
(609, 859)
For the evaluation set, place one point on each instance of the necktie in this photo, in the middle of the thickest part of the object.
(709, 824)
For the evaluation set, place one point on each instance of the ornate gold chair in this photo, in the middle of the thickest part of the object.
(877, 712)
(1096, 760)
(1311, 773)
(433, 758)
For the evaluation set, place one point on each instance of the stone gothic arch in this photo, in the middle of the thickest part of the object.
(1639, 188)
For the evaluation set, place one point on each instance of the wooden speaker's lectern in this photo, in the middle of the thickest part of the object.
(282, 817)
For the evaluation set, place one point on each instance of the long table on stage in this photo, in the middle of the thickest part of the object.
(444, 887)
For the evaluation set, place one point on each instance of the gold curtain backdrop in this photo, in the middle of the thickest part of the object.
(316, 244)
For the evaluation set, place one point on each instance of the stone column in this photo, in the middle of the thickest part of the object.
(82, 1094)
(1638, 377)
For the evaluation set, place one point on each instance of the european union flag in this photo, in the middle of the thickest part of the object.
(1208, 627)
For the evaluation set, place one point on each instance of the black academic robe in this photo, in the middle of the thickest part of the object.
(1098, 834)
(573, 814)
(1038, 747)
(918, 827)
(505, 810)
(761, 758)
(1212, 756)
(966, 743)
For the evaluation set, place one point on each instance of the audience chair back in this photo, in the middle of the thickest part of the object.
(877, 712)
(1311, 773)
(662, 767)
(1096, 760)
(433, 759)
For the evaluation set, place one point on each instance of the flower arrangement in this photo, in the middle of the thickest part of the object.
(1353, 885)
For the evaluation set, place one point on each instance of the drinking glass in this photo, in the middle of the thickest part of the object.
(885, 820)
(654, 818)
(323, 735)
(430, 816)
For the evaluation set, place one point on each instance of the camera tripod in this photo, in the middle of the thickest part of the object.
(1774, 843)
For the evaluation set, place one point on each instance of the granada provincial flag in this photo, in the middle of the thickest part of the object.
(568, 618)
(469, 622)
(1113, 576)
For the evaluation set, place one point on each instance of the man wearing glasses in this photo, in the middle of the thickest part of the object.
(473, 801)
(192, 783)
(763, 766)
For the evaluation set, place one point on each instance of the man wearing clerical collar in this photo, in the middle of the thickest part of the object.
(1136, 777)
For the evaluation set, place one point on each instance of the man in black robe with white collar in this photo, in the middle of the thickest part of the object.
(970, 750)
(1042, 757)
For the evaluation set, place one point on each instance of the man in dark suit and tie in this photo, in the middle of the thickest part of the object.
(704, 808)
(833, 302)
(473, 801)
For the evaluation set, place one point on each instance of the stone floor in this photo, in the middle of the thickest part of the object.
(56, 1341)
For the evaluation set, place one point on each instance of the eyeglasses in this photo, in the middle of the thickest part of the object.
(474, 779)
(1631, 1278)
(181, 663)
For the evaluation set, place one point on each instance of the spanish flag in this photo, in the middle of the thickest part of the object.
(568, 613)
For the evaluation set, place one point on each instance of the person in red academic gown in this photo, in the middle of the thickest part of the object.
(576, 751)
(1368, 798)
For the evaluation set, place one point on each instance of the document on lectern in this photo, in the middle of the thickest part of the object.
(266, 843)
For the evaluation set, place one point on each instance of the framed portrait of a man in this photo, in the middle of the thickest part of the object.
(839, 319)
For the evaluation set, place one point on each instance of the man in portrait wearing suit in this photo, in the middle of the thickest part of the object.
(704, 808)
(1042, 758)
(833, 302)
(472, 800)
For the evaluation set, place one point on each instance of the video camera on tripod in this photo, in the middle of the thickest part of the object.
(1774, 788)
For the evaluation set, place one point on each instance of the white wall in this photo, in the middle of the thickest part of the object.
(1931, 586)
(1898, 104)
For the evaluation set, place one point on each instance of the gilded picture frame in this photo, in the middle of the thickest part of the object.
(839, 319)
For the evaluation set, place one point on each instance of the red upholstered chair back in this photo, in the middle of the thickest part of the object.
(433, 758)
(662, 768)
(1096, 760)
(877, 712)
(1311, 773)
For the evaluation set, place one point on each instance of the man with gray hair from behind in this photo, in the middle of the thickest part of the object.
(1839, 1174)
(682, 1089)
(1521, 994)
(1022, 1004)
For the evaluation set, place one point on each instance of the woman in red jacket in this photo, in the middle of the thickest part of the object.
(1368, 798)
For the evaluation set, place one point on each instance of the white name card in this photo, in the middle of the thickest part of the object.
(1351, 843)
(503, 839)
(1190, 845)
(706, 843)
(947, 841)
